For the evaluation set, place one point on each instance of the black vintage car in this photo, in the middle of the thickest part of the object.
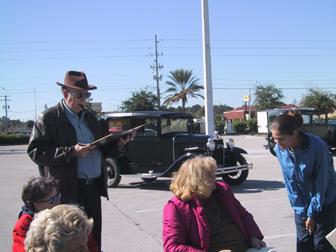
(164, 142)
(314, 122)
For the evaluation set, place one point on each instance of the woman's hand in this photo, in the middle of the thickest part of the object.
(310, 225)
(256, 243)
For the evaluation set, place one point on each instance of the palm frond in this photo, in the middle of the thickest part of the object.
(182, 84)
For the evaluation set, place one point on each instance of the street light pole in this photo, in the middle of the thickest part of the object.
(209, 114)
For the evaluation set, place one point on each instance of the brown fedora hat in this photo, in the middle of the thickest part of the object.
(76, 80)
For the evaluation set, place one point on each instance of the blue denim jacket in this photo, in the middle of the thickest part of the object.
(309, 174)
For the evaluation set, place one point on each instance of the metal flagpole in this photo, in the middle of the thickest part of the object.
(209, 114)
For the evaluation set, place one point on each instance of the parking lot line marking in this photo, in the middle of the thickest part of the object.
(148, 210)
(271, 237)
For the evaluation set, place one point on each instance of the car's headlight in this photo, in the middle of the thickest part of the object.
(231, 143)
(211, 144)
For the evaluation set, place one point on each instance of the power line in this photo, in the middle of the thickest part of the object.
(167, 55)
(166, 47)
(75, 49)
(75, 57)
(71, 41)
(285, 88)
(251, 40)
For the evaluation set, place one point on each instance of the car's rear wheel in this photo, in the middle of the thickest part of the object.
(236, 178)
(113, 172)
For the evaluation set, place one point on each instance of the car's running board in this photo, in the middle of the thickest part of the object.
(231, 169)
(151, 176)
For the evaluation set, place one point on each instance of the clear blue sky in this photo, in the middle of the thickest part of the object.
(291, 44)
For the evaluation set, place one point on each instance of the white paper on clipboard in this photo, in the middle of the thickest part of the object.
(331, 237)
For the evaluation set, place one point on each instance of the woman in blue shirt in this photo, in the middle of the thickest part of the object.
(310, 180)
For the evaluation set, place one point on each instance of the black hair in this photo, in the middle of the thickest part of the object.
(36, 189)
(288, 122)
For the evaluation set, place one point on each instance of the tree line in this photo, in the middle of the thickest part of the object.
(183, 85)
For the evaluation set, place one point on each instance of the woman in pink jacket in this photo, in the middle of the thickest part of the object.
(204, 215)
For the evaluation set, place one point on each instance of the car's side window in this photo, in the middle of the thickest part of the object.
(150, 128)
(118, 125)
(320, 120)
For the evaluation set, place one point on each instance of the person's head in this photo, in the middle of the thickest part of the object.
(40, 193)
(285, 129)
(196, 176)
(63, 228)
(75, 90)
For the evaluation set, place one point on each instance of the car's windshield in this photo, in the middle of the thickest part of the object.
(169, 125)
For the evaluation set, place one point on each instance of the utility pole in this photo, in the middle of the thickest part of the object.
(155, 68)
(249, 104)
(209, 113)
(6, 107)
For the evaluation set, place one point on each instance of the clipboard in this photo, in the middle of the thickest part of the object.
(115, 136)
(331, 237)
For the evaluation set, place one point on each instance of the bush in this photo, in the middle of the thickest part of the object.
(12, 139)
(252, 125)
(219, 125)
(240, 126)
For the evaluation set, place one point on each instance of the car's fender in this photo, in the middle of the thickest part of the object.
(239, 150)
(176, 165)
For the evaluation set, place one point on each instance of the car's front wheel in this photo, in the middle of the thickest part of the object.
(113, 172)
(236, 178)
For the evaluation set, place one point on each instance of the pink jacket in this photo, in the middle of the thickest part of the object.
(186, 229)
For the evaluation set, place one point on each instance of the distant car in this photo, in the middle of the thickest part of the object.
(165, 141)
(313, 122)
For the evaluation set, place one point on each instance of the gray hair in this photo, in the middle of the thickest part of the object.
(53, 229)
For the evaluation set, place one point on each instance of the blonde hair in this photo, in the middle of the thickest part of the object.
(53, 229)
(195, 176)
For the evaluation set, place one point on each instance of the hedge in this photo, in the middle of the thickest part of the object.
(240, 126)
(13, 139)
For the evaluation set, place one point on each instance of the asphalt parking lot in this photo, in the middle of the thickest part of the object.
(132, 216)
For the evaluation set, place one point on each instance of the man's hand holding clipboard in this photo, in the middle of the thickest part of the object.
(81, 150)
(124, 136)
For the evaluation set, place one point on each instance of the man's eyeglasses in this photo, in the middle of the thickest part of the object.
(79, 95)
(53, 200)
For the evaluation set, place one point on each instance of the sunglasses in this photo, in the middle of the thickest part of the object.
(53, 200)
(79, 95)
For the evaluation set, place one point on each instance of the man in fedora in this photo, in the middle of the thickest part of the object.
(59, 144)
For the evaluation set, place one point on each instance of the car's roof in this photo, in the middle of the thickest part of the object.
(301, 110)
(148, 114)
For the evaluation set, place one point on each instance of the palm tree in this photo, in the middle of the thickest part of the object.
(182, 84)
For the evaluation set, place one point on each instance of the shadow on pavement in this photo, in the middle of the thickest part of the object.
(257, 186)
(249, 186)
(161, 184)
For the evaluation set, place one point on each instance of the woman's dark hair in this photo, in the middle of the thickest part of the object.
(288, 122)
(36, 189)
